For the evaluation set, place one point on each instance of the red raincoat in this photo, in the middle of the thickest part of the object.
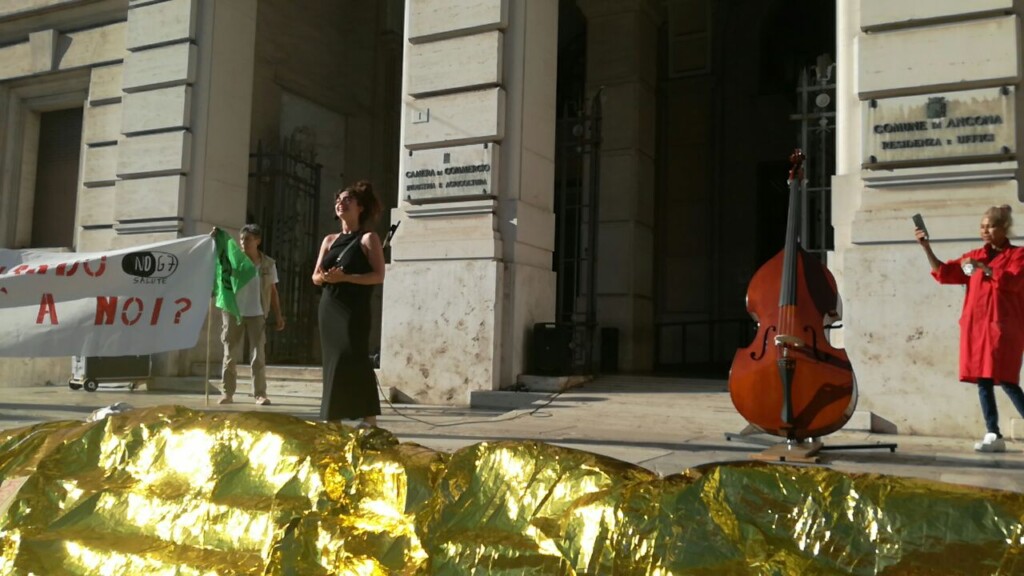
(992, 322)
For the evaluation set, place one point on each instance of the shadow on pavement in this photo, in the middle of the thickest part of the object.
(34, 407)
(911, 459)
(640, 385)
(678, 447)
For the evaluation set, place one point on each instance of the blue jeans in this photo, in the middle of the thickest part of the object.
(988, 402)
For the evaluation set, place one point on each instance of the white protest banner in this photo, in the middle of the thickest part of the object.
(133, 301)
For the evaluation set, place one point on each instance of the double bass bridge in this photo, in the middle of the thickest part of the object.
(785, 341)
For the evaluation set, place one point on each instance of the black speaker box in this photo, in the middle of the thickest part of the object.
(609, 350)
(552, 349)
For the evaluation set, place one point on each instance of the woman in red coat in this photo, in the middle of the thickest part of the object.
(992, 323)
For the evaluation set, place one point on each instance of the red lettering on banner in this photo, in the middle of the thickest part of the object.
(138, 313)
(26, 269)
(156, 312)
(63, 270)
(106, 309)
(185, 304)
(133, 309)
(47, 308)
(99, 272)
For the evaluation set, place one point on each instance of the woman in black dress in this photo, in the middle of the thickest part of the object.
(350, 264)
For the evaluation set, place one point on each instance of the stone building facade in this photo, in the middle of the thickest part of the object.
(469, 114)
(163, 116)
(170, 99)
(901, 327)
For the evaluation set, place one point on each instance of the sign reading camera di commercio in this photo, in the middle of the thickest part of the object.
(448, 174)
(940, 128)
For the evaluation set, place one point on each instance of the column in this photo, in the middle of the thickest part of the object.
(923, 67)
(471, 264)
(622, 37)
(183, 155)
(153, 155)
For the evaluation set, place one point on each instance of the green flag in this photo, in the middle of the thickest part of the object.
(234, 269)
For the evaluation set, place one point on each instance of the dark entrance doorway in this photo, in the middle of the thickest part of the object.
(287, 185)
(56, 193)
(734, 78)
(578, 135)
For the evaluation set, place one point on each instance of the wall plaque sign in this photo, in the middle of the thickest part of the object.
(971, 125)
(449, 174)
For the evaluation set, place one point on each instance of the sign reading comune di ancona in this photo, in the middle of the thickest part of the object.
(940, 128)
(447, 174)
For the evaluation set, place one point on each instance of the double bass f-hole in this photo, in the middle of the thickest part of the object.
(764, 343)
(814, 344)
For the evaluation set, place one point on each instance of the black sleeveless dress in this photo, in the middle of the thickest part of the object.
(350, 386)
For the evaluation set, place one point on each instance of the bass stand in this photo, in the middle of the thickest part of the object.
(793, 449)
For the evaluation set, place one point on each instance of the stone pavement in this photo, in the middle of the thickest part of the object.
(665, 425)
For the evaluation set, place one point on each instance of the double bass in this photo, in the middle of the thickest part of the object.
(790, 381)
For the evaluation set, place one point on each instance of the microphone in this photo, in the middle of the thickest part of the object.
(390, 234)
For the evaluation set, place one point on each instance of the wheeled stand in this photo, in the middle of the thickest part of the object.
(89, 372)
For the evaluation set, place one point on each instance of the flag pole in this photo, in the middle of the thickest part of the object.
(209, 327)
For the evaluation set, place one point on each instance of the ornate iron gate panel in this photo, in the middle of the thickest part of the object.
(287, 194)
(577, 166)
(816, 115)
(705, 347)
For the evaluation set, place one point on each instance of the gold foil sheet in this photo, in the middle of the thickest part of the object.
(169, 490)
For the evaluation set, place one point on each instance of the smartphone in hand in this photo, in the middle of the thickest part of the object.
(919, 223)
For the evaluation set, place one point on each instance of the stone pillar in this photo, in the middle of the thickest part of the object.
(153, 156)
(471, 263)
(901, 329)
(218, 190)
(182, 159)
(622, 38)
(182, 153)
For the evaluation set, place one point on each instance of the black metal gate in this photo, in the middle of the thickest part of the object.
(577, 169)
(816, 96)
(706, 346)
(285, 203)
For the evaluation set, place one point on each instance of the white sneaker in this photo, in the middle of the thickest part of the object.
(990, 443)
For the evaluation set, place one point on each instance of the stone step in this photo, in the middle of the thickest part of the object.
(533, 383)
(505, 400)
(275, 387)
(299, 380)
(274, 372)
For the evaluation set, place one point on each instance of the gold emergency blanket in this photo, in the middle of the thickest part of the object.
(169, 490)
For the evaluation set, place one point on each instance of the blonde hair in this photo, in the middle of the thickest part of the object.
(1000, 217)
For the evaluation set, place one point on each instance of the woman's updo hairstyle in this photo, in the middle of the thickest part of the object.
(1000, 217)
(362, 191)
